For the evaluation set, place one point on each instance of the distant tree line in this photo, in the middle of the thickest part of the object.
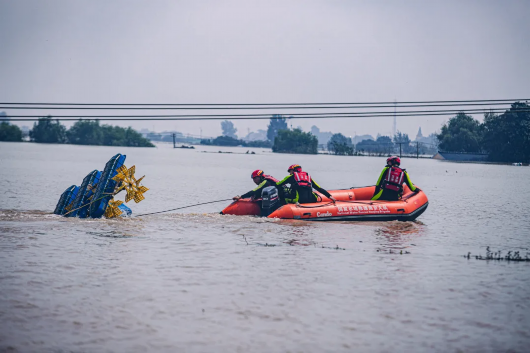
(10, 132)
(340, 145)
(230, 141)
(282, 139)
(505, 137)
(86, 132)
(295, 141)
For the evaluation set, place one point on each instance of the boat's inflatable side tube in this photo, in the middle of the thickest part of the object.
(408, 209)
(106, 186)
(243, 207)
(404, 217)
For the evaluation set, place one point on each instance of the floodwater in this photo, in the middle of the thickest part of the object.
(197, 281)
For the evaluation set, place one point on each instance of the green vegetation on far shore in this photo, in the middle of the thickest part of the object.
(230, 141)
(86, 132)
(295, 141)
(11, 133)
(504, 137)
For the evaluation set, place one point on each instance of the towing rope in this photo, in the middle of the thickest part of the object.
(179, 208)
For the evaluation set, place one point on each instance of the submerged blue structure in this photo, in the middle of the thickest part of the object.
(106, 186)
(94, 198)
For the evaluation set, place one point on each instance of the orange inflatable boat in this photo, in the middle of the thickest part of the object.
(352, 205)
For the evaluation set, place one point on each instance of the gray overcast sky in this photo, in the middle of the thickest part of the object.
(265, 51)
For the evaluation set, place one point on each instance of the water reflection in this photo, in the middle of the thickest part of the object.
(399, 235)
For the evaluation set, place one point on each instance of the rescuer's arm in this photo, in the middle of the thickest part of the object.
(256, 193)
(287, 180)
(409, 183)
(321, 190)
(281, 184)
(380, 180)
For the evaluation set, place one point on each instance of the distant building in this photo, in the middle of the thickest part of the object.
(260, 135)
(145, 132)
(419, 136)
(358, 138)
(430, 140)
(323, 137)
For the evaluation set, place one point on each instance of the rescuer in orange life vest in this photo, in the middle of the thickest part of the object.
(262, 181)
(389, 186)
(302, 186)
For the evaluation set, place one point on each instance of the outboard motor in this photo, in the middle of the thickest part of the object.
(270, 200)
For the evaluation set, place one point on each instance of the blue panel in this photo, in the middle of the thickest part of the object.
(86, 190)
(126, 210)
(106, 186)
(66, 201)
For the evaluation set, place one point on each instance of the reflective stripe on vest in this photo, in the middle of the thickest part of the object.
(270, 178)
(302, 179)
(394, 179)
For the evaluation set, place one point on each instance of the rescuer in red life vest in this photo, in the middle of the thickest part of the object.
(302, 186)
(262, 181)
(390, 183)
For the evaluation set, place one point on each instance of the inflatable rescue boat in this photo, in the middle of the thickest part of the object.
(352, 205)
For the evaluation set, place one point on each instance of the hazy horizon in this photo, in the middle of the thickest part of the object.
(255, 52)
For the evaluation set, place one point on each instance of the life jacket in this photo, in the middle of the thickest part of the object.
(394, 179)
(303, 180)
(270, 178)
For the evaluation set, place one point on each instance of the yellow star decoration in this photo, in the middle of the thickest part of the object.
(113, 209)
(126, 180)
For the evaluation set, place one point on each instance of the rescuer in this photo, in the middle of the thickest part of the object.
(302, 186)
(390, 183)
(262, 181)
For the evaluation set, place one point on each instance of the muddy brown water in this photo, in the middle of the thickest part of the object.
(198, 281)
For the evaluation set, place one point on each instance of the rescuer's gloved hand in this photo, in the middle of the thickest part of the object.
(332, 199)
(417, 190)
(236, 198)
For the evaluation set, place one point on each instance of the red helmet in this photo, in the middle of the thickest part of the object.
(293, 167)
(256, 173)
(393, 160)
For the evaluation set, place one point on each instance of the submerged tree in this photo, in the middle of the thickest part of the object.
(47, 130)
(295, 141)
(276, 124)
(507, 136)
(10, 132)
(461, 134)
(402, 141)
(340, 145)
(85, 132)
(119, 136)
(385, 144)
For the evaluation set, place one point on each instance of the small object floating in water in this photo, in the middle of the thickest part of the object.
(353, 204)
(95, 197)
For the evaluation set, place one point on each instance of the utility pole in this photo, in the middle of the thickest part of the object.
(394, 127)
(174, 137)
(417, 150)
(400, 149)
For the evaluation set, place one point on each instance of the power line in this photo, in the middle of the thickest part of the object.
(267, 104)
(249, 116)
(248, 107)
